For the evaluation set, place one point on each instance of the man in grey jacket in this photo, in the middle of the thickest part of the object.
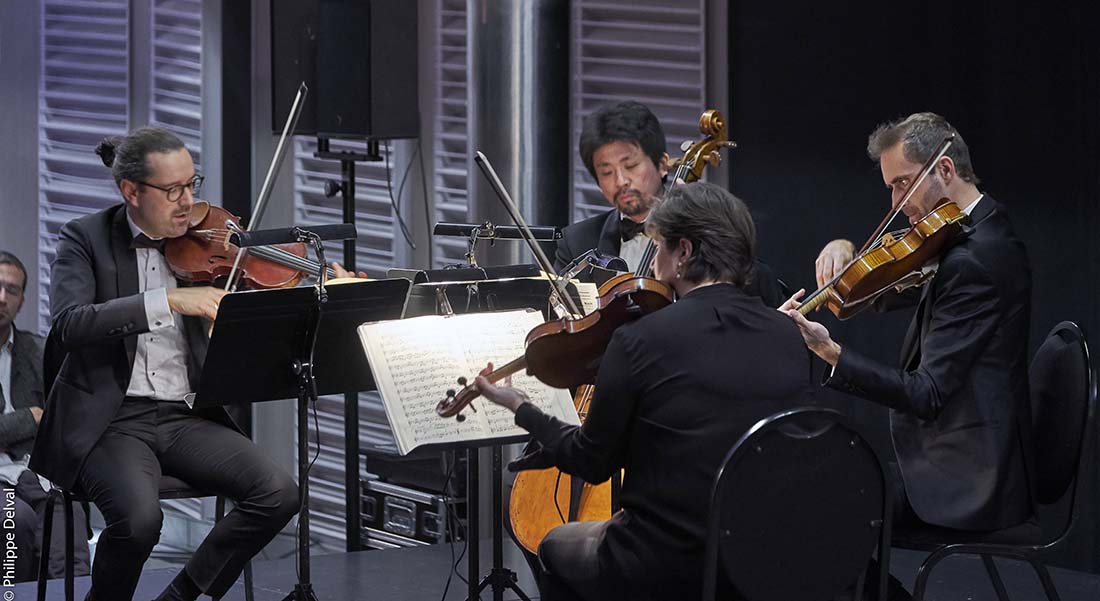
(21, 398)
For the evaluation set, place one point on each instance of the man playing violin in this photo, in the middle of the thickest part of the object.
(127, 346)
(959, 402)
(667, 408)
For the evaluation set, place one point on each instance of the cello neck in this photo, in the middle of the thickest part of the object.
(645, 264)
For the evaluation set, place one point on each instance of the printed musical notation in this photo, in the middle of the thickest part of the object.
(415, 361)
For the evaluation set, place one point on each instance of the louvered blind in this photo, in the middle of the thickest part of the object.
(176, 77)
(379, 247)
(645, 50)
(450, 158)
(83, 95)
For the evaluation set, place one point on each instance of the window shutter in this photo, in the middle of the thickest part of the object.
(451, 133)
(645, 50)
(83, 96)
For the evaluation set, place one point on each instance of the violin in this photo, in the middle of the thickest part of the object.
(892, 260)
(206, 252)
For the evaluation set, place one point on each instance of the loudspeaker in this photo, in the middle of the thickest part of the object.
(359, 58)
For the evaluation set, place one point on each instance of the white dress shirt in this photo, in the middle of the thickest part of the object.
(160, 362)
(631, 250)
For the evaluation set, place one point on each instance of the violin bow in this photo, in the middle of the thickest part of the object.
(269, 179)
(812, 300)
(556, 287)
(929, 165)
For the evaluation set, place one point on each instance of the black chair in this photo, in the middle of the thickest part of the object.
(799, 505)
(170, 488)
(1063, 407)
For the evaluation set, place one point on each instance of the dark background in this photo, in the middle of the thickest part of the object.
(810, 80)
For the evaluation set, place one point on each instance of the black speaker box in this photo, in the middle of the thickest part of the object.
(359, 58)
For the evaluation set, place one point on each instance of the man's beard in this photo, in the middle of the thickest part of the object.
(639, 204)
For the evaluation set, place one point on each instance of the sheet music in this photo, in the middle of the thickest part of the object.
(590, 295)
(414, 361)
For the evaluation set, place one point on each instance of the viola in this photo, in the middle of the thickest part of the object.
(891, 261)
(895, 262)
(206, 252)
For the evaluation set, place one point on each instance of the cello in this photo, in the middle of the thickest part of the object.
(538, 496)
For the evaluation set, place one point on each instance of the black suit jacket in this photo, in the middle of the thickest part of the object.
(602, 233)
(599, 231)
(675, 391)
(960, 414)
(97, 314)
(17, 429)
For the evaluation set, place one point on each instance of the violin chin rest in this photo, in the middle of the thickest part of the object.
(199, 210)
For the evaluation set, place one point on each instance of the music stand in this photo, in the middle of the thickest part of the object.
(298, 346)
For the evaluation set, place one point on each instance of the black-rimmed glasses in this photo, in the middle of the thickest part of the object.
(174, 193)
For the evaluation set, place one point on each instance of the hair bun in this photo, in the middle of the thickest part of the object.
(106, 150)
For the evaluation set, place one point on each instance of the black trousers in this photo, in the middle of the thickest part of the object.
(122, 477)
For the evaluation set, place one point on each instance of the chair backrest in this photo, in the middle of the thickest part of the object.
(1063, 397)
(798, 506)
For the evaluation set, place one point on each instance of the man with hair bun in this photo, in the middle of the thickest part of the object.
(131, 344)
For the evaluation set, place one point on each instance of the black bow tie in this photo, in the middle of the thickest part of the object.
(143, 241)
(628, 228)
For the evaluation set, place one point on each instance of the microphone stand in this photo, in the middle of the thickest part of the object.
(307, 396)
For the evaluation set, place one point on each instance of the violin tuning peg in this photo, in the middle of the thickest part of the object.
(686, 145)
(460, 418)
(450, 393)
(462, 381)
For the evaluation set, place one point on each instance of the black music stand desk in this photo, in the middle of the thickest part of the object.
(288, 343)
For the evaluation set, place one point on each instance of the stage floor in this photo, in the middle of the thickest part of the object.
(420, 574)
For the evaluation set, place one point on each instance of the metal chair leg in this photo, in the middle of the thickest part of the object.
(249, 593)
(47, 534)
(70, 554)
(925, 571)
(1044, 577)
(995, 578)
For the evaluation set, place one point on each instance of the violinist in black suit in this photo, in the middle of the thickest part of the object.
(667, 408)
(133, 342)
(959, 404)
(623, 147)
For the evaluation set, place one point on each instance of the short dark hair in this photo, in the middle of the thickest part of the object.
(921, 134)
(630, 122)
(720, 229)
(7, 258)
(126, 155)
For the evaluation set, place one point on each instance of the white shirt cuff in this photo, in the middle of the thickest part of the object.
(156, 309)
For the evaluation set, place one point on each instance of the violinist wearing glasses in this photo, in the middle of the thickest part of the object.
(668, 408)
(134, 343)
(959, 408)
